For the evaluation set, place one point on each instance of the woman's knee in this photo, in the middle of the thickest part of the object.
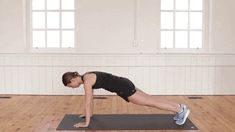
(141, 98)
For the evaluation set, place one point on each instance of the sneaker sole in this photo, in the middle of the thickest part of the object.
(185, 117)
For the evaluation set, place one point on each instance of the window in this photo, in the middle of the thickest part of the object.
(181, 24)
(53, 24)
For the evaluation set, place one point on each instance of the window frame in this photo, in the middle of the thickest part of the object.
(30, 30)
(205, 30)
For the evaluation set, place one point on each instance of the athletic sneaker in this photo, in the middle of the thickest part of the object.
(181, 117)
(177, 115)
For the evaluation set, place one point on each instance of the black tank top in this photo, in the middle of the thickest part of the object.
(109, 82)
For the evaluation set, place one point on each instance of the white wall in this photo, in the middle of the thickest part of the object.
(171, 74)
(108, 26)
(122, 37)
(222, 26)
(118, 26)
(12, 26)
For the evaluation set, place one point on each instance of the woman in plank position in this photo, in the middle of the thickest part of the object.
(124, 88)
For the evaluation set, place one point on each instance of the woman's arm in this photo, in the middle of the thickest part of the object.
(83, 115)
(88, 101)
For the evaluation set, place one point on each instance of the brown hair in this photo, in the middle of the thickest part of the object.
(68, 76)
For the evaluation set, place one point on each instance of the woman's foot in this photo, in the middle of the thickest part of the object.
(182, 116)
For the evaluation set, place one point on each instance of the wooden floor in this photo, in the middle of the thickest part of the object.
(44, 113)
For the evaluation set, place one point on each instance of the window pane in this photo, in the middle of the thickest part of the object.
(53, 20)
(53, 39)
(167, 4)
(181, 20)
(67, 4)
(196, 4)
(38, 4)
(53, 4)
(181, 39)
(166, 39)
(167, 20)
(38, 20)
(67, 39)
(195, 20)
(196, 39)
(67, 20)
(181, 4)
(39, 39)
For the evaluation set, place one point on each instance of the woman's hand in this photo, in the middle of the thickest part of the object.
(81, 124)
(82, 116)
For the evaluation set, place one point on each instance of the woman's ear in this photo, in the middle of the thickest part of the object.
(73, 80)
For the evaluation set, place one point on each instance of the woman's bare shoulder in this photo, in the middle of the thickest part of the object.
(89, 78)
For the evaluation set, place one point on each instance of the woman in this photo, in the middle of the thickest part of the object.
(124, 88)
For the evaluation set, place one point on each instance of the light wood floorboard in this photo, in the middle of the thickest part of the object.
(44, 113)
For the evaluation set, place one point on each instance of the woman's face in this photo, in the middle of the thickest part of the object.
(74, 83)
